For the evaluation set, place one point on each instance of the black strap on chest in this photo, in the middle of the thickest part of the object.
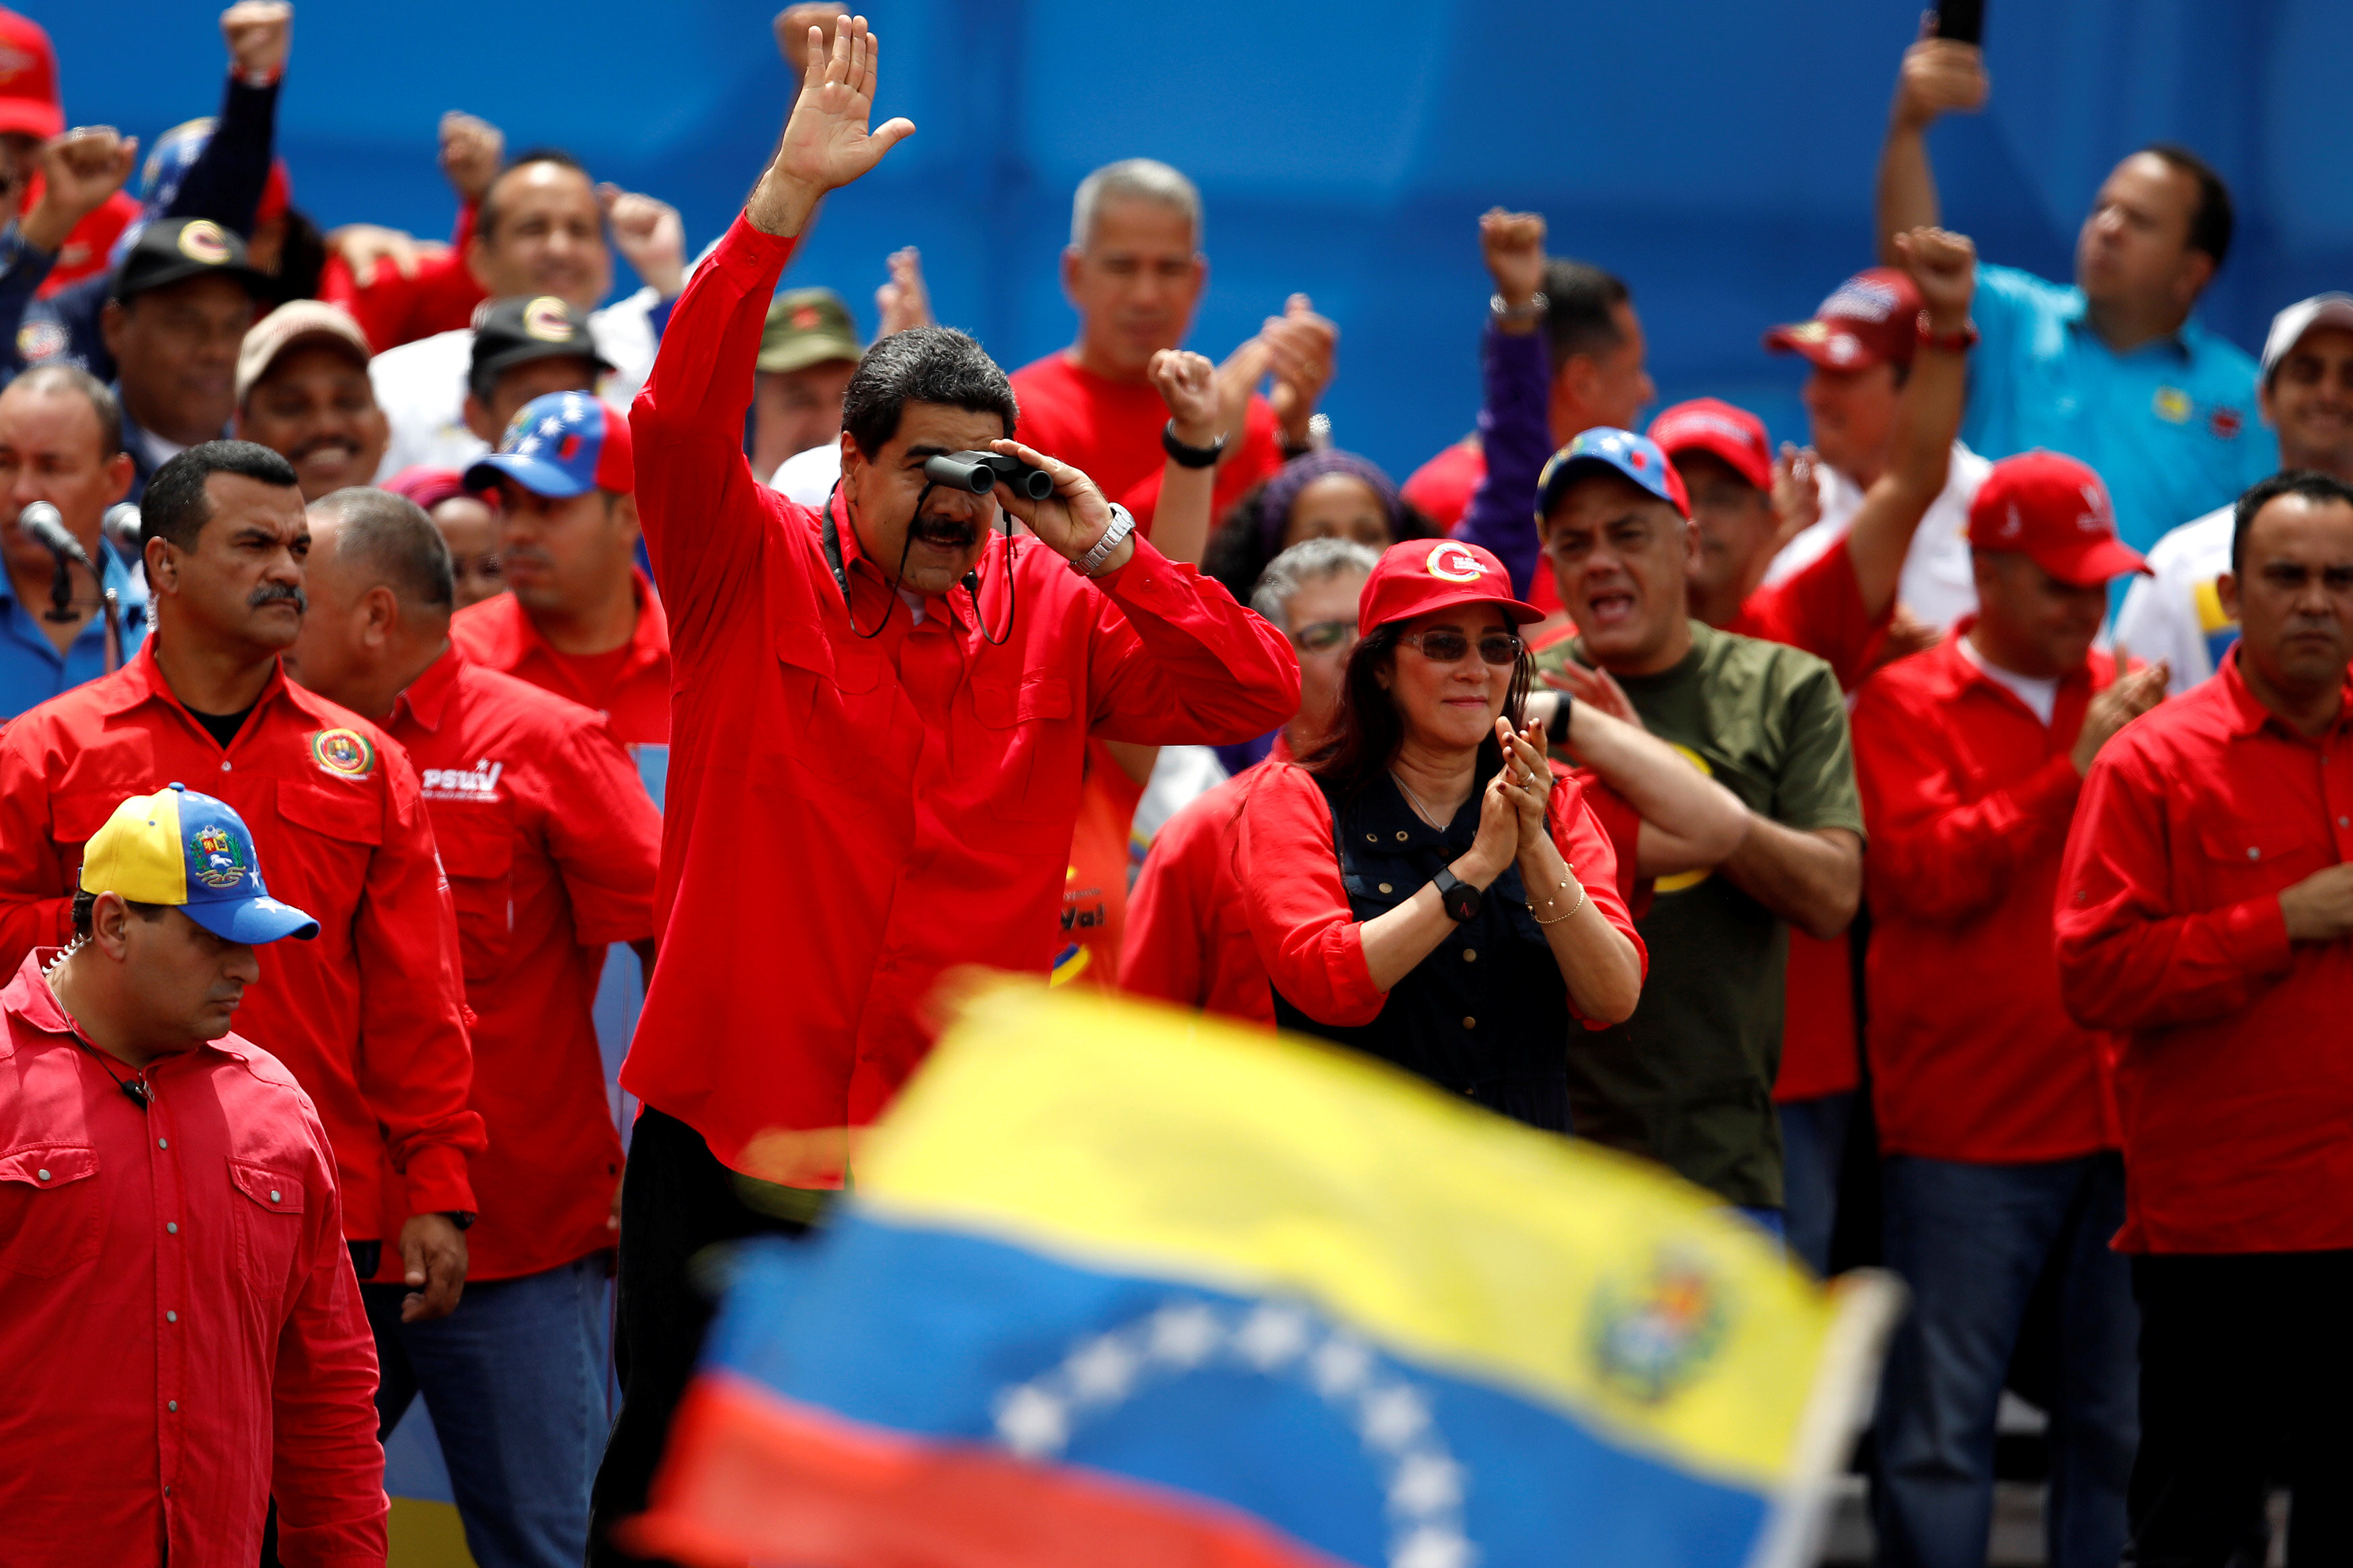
(1352, 879)
(829, 535)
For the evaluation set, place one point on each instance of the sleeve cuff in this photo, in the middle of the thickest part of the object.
(1127, 581)
(2255, 934)
(2047, 796)
(753, 256)
(437, 1181)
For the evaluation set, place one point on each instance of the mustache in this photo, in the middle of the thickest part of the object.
(277, 593)
(934, 529)
(529, 554)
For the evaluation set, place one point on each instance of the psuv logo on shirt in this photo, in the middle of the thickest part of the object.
(479, 784)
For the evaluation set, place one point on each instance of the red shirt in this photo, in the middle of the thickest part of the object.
(370, 1017)
(393, 309)
(1969, 796)
(550, 845)
(1820, 610)
(630, 685)
(2234, 1084)
(180, 1330)
(1110, 431)
(1188, 935)
(877, 810)
(1311, 941)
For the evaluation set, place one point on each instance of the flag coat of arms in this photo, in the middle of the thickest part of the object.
(1116, 1284)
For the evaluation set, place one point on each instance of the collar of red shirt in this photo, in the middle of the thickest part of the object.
(28, 996)
(143, 678)
(1961, 672)
(429, 694)
(513, 639)
(2251, 715)
(955, 605)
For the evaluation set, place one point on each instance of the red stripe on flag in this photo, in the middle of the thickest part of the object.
(750, 1475)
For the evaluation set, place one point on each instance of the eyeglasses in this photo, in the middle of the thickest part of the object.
(1444, 645)
(1324, 637)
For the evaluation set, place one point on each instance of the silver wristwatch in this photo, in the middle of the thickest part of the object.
(1123, 523)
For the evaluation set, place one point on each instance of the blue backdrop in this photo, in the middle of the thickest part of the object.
(1718, 155)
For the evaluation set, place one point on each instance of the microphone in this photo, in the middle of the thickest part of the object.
(46, 525)
(120, 525)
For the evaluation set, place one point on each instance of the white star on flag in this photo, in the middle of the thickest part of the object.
(1032, 1422)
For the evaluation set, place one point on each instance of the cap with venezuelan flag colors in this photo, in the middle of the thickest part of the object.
(562, 444)
(1115, 1284)
(178, 848)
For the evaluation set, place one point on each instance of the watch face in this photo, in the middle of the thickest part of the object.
(1462, 901)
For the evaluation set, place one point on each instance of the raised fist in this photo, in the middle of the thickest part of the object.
(259, 34)
(1513, 246)
(472, 150)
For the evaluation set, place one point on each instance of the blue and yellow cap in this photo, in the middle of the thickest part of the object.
(178, 848)
(562, 444)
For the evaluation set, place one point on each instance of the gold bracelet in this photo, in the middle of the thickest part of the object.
(1549, 903)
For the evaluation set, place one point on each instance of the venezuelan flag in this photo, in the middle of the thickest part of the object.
(1119, 1284)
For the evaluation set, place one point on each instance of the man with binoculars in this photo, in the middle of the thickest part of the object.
(878, 720)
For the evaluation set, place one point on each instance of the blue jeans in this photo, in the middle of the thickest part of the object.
(515, 1381)
(1971, 1241)
(1813, 1148)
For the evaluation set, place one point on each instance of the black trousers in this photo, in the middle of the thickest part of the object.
(2246, 1383)
(677, 1200)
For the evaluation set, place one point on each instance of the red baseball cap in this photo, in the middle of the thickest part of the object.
(29, 79)
(1425, 574)
(2056, 512)
(1712, 425)
(1871, 318)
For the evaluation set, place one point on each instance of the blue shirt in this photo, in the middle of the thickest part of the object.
(32, 670)
(2171, 427)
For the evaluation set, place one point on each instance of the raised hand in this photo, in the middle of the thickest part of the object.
(903, 302)
(365, 246)
(826, 144)
(1238, 376)
(1797, 492)
(649, 235)
(1299, 345)
(1939, 76)
(473, 152)
(1070, 520)
(260, 34)
(1527, 781)
(79, 170)
(1187, 384)
(792, 26)
(1511, 244)
(1944, 265)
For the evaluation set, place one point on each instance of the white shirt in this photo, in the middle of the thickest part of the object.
(2041, 696)
(421, 386)
(1937, 583)
(808, 477)
(2177, 615)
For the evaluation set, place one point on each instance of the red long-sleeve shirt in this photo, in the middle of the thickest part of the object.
(630, 686)
(370, 1017)
(551, 843)
(2235, 1083)
(181, 1334)
(1968, 796)
(849, 818)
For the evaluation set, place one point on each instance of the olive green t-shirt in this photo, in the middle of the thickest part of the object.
(1688, 1079)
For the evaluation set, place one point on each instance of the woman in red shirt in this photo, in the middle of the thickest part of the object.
(1425, 887)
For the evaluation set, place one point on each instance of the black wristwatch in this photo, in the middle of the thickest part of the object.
(1557, 727)
(1186, 457)
(1462, 900)
(462, 1218)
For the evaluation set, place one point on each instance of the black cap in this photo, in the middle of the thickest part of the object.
(173, 249)
(516, 331)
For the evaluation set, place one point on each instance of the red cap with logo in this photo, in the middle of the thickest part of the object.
(1712, 425)
(2055, 512)
(29, 79)
(1873, 318)
(1425, 574)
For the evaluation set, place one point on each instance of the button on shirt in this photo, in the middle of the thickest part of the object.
(370, 1016)
(1968, 795)
(2175, 613)
(631, 688)
(2234, 1085)
(550, 846)
(2171, 427)
(32, 670)
(882, 809)
(180, 1330)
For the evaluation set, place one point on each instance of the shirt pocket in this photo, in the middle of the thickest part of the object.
(1024, 740)
(829, 695)
(479, 858)
(2238, 859)
(50, 1220)
(346, 823)
(268, 1207)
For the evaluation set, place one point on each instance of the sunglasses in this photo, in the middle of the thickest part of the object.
(1324, 637)
(1444, 645)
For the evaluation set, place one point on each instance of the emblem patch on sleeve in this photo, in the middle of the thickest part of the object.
(344, 752)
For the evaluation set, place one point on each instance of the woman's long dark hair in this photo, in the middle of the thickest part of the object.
(1367, 730)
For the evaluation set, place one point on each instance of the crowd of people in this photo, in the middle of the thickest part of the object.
(469, 625)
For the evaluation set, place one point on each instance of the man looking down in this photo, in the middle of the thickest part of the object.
(879, 718)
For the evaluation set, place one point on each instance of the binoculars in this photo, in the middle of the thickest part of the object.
(982, 473)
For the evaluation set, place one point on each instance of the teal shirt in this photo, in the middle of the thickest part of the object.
(32, 670)
(2171, 427)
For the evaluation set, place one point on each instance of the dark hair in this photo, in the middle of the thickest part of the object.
(397, 541)
(83, 900)
(90, 389)
(922, 364)
(1238, 554)
(2209, 225)
(176, 506)
(1580, 309)
(1367, 732)
(486, 215)
(302, 261)
(2263, 492)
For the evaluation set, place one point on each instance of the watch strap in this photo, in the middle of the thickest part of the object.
(1954, 343)
(1123, 523)
(1557, 727)
(1186, 457)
